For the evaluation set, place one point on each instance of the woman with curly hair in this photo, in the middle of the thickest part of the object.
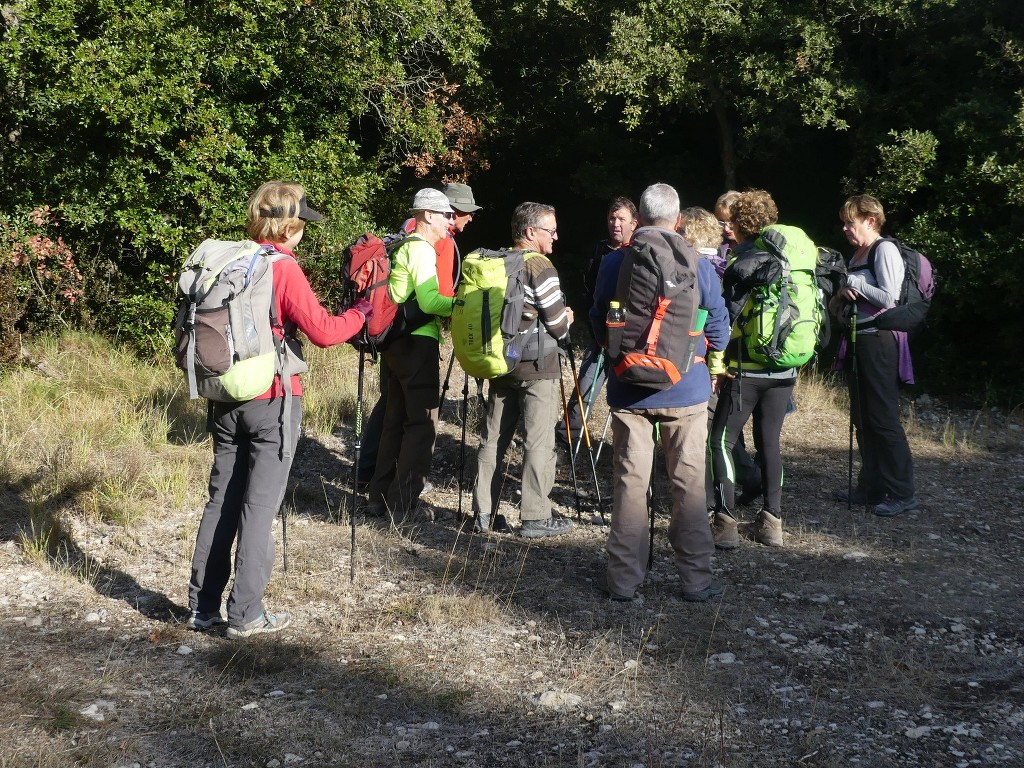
(746, 388)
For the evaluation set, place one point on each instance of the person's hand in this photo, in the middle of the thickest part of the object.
(569, 314)
(363, 307)
(720, 381)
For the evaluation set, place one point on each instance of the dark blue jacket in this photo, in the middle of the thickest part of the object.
(695, 386)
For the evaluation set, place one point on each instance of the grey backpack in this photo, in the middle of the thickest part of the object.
(224, 334)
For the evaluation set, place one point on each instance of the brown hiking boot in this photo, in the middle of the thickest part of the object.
(725, 531)
(768, 529)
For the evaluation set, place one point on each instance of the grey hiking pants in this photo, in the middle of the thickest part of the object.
(684, 432)
(247, 485)
(508, 399)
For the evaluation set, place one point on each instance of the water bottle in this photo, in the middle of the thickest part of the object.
(615, 323)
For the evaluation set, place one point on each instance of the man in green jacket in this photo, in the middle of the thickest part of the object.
(412, 362)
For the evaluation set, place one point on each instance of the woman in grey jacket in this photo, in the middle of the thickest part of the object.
(875, 277)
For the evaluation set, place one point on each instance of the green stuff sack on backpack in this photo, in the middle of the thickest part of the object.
(488, 312)
(782, 317)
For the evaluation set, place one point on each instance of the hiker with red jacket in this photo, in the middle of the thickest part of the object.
(681, 412)
(250, 460)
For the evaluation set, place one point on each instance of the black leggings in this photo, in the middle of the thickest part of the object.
(767, 399)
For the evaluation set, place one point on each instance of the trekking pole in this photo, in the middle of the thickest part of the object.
(444, 388)
(604, 434)
(650, 494)
(585, 435)
(592, 392)
(462, 447)
(355, 464)
(854, 392)
(568, 434)
(284, 537)
(591, 396)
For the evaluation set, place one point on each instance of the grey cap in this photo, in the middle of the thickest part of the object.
(461, 197)
(431, 200)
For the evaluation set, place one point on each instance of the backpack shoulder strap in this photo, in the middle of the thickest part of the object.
(873, 250)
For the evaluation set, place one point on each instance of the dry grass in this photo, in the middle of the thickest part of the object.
(446, 646)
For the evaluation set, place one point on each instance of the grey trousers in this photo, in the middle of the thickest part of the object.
(684, 434)
(507, 400)
(247, 485)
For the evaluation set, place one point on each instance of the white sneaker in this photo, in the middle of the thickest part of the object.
(265, 624)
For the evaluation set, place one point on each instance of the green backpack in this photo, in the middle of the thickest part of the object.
(488, 311)
(782, 317)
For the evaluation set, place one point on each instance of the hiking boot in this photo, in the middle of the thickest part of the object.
(265, 624)
(201, 621)
(725, 531)
(769, 529)
(859, 497)
(541, 529)
(714, 589)
(892, 507)
(483, 524)
(376, 509)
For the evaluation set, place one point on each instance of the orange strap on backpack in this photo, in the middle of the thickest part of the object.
(655, 332)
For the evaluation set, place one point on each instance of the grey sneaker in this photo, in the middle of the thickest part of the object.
(714, 589)
(625, 600)
(892, 507)
(541, 529)
(201, 622)
(265, 624)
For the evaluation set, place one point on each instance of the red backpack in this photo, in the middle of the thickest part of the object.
(365, 269)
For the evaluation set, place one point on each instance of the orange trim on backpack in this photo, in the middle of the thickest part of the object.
(655, 332)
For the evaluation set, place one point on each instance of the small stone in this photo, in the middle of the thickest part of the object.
(402, 745)
(92, 617)
(616, 706)
(722, 658)
(273, 763)
(538, 675)
(277, 694)
(251, 705)
(559, 700)
(855, 555)
(631, 664)
(430, 725)
(92, 712)
(291, 759)
(514, 743)
(917, 733)
(183, 650)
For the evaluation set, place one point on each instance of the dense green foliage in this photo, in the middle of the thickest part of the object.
(143, 126)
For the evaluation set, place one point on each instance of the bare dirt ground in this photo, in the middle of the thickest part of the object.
(863, 641)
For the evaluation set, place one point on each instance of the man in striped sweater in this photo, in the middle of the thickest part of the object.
(529, 390)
